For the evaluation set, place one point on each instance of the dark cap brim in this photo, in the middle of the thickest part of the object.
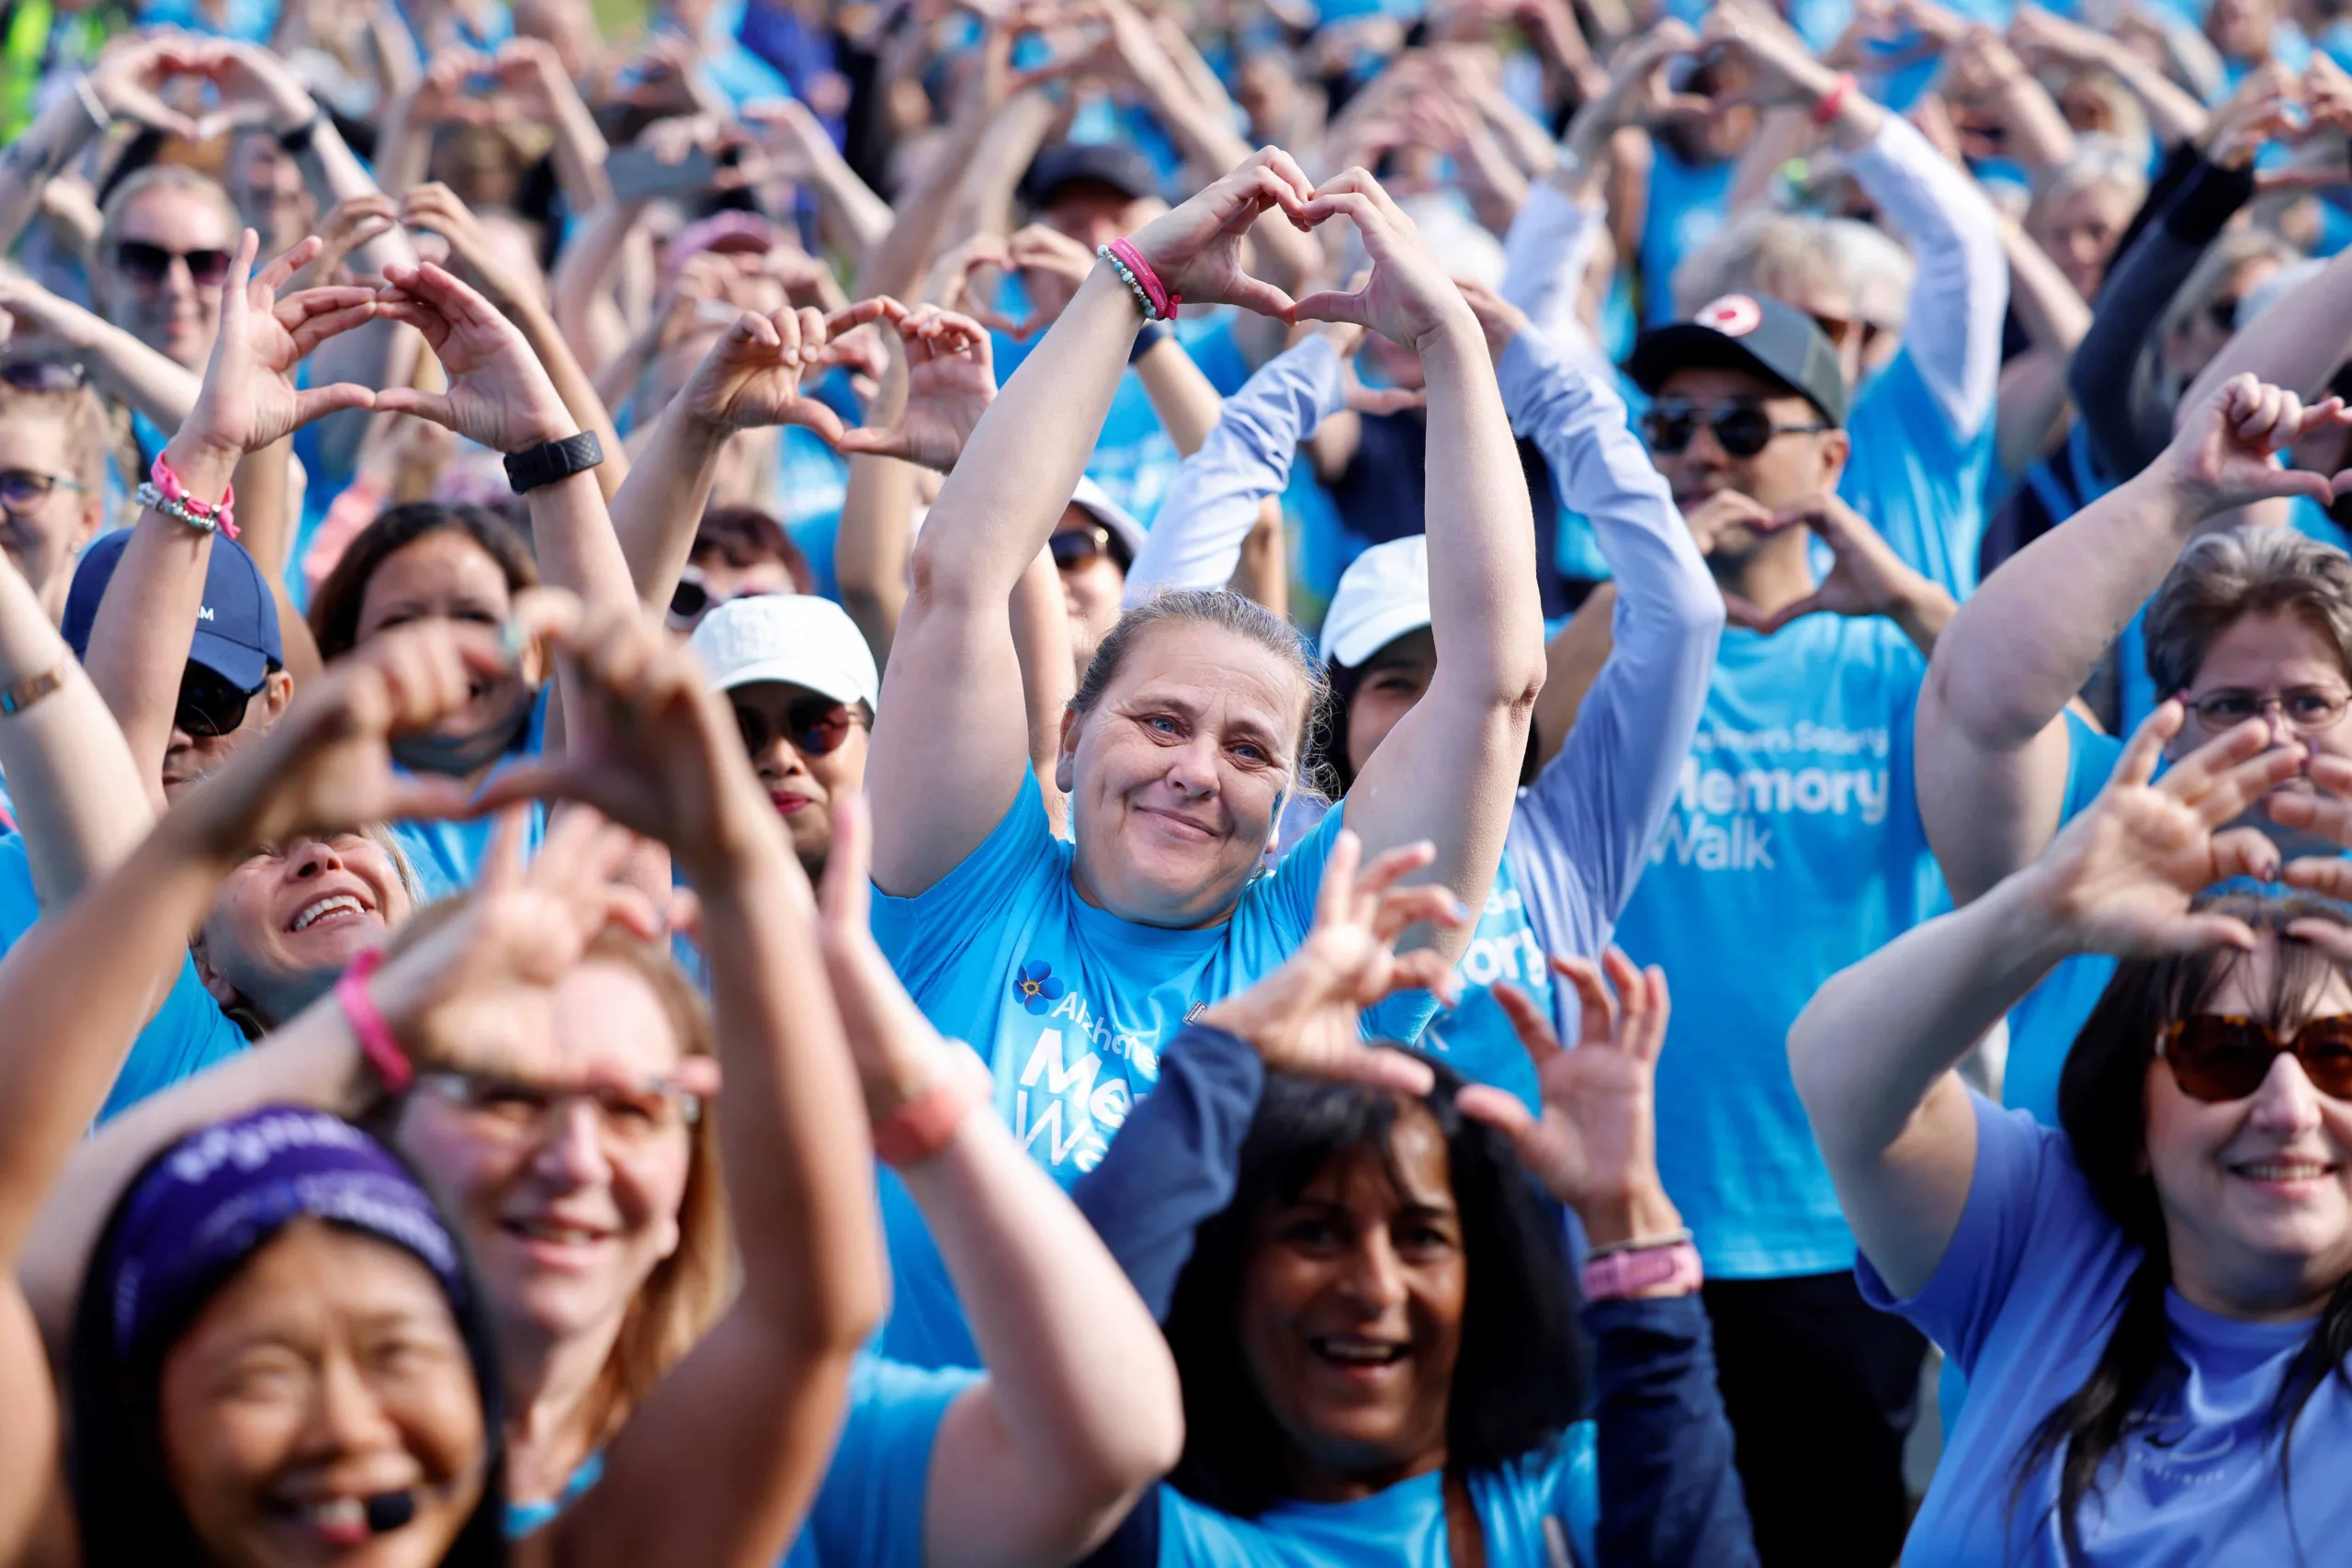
(1686, 346)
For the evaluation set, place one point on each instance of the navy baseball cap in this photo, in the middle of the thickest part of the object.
(236, 631)
(1746, 332)
(1057, 168)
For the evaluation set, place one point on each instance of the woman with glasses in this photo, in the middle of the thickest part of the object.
(54, 437)
(257, 1378)
(563, 1114)
(2153, 1302)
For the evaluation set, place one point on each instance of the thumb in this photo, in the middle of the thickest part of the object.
(1810, 605)
(432, 406)
(885, 442)
(1498, 1108)
(539, 778)
(1742, 612)
(317, 402)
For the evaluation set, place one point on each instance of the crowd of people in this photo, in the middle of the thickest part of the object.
(1175, 784)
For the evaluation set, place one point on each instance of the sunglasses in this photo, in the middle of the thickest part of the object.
(814, 727)
(150, 265)
(1742, 430)
(2218, 1056)
(21, 490)
(209, 702)
(1074, 547)
(41, 375)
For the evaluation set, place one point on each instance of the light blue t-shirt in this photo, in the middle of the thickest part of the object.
(2023, 1302)
(869, 1510)
(1477, 1039)
(1520, 1507)
(1793, 851)
(1069, 1007)
(1916, 480)
(1688, 204)
(187, 1034)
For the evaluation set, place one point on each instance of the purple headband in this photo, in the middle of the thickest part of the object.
(223, 1192)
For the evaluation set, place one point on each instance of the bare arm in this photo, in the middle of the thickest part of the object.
(1448, 771)
(583, 308)
(2032, 399)
(1572, 658)
(875, 534)
(1180, 395)
(2297, 343)
(1041, 640)
(1993, 747)
(121, 365)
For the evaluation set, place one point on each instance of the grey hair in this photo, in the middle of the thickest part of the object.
(1786, 255)
(165, 176)
(2099, 160)
(2224, 257)
(2248, 570)
(1235, 613)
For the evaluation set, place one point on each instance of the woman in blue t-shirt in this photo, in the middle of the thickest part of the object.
(2153, 1307)
(594, 1218)
(1369, 1299)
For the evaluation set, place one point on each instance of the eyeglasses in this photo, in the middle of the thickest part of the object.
(21, 490)
(510, 1109)
(42, 375)
(693, 596)
(1074, 547)
(2303, 707)
(1742, 429)
(211, 704)
(2218, 1056)
(149, 265)
(814, 727)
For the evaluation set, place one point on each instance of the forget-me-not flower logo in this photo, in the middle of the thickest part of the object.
(1036, 988)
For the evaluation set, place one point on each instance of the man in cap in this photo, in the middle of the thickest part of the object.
(234, 684)
(1090, 192)
(1793, 848)
(803, 685)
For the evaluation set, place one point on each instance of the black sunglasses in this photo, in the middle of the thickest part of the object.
(1741, 429)
(146, 264)
(1076, 546)
(814, 727)
(41, 375)
(691, 598)
(211, 704)
(21, 490)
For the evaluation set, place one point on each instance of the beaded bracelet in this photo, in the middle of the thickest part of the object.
(167, 494)
(1157, 303)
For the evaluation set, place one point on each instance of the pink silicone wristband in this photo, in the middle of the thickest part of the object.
(376, 1040)
(1621, 1274)
(1162, 302)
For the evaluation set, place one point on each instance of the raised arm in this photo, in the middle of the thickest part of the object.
(139, 643)
(124, 367)
(1598, 805)
(1449, 769)
(2174, 113)
(125, 84)
(1874, 1053)
(716, 1466)
(1992, 746)
(1080, 1408)
(949, 697)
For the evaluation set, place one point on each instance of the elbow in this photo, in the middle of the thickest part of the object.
(1140, 1442)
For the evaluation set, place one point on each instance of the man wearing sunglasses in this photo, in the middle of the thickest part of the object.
(1794, 843)
(803, 684)
(234, 684)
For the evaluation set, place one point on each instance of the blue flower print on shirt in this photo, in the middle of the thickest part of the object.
(1037, 989)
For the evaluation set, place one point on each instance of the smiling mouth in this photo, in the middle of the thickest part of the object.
(550, 1233)
(338, 1521)
(1181, 824)
(2283, 1171)
(334, 909)
(1359, 1354)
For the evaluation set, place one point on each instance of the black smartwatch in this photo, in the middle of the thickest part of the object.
(1154, 333)
(553, 460)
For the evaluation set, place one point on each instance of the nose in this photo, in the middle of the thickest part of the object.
(2287, 1104)
(1373, 1278)
(307, 858)
(346, 1417)
(572, 1149)
(1192, 767)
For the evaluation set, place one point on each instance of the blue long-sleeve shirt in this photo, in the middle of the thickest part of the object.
(1667, 1491)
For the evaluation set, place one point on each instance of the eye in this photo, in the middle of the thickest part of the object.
(2313, 705)
(1160, 723)
(1250, 751)
(1419, 1237)
(2229, 707)
(1310, 1231)
(509, 1103)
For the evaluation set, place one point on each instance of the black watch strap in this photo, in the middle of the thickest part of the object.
(553, 460)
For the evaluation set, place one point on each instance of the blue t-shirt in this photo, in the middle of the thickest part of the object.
(1794, 850)
(1915, 479)
(869, 1510)
(1688, 204)
(1519, 1507)
(1477, 1038)
(2042, 1027)
(1070, 1005)
(187, 1034)
(2023, 1302)
(447, 853)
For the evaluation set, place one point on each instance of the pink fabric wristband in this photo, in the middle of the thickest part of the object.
(222, 515)
(1162, 302)
(376, 1040)
(1619, 1274)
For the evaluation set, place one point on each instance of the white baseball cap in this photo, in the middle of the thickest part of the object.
(1383, 593)
(1097, 501)
(795, 638)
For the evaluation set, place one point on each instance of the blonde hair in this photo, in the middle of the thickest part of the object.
(89, 429)
(687, 1291)
(164, 176)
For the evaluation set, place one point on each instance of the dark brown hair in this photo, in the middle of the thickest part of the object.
(744, 536)
(334, 608)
